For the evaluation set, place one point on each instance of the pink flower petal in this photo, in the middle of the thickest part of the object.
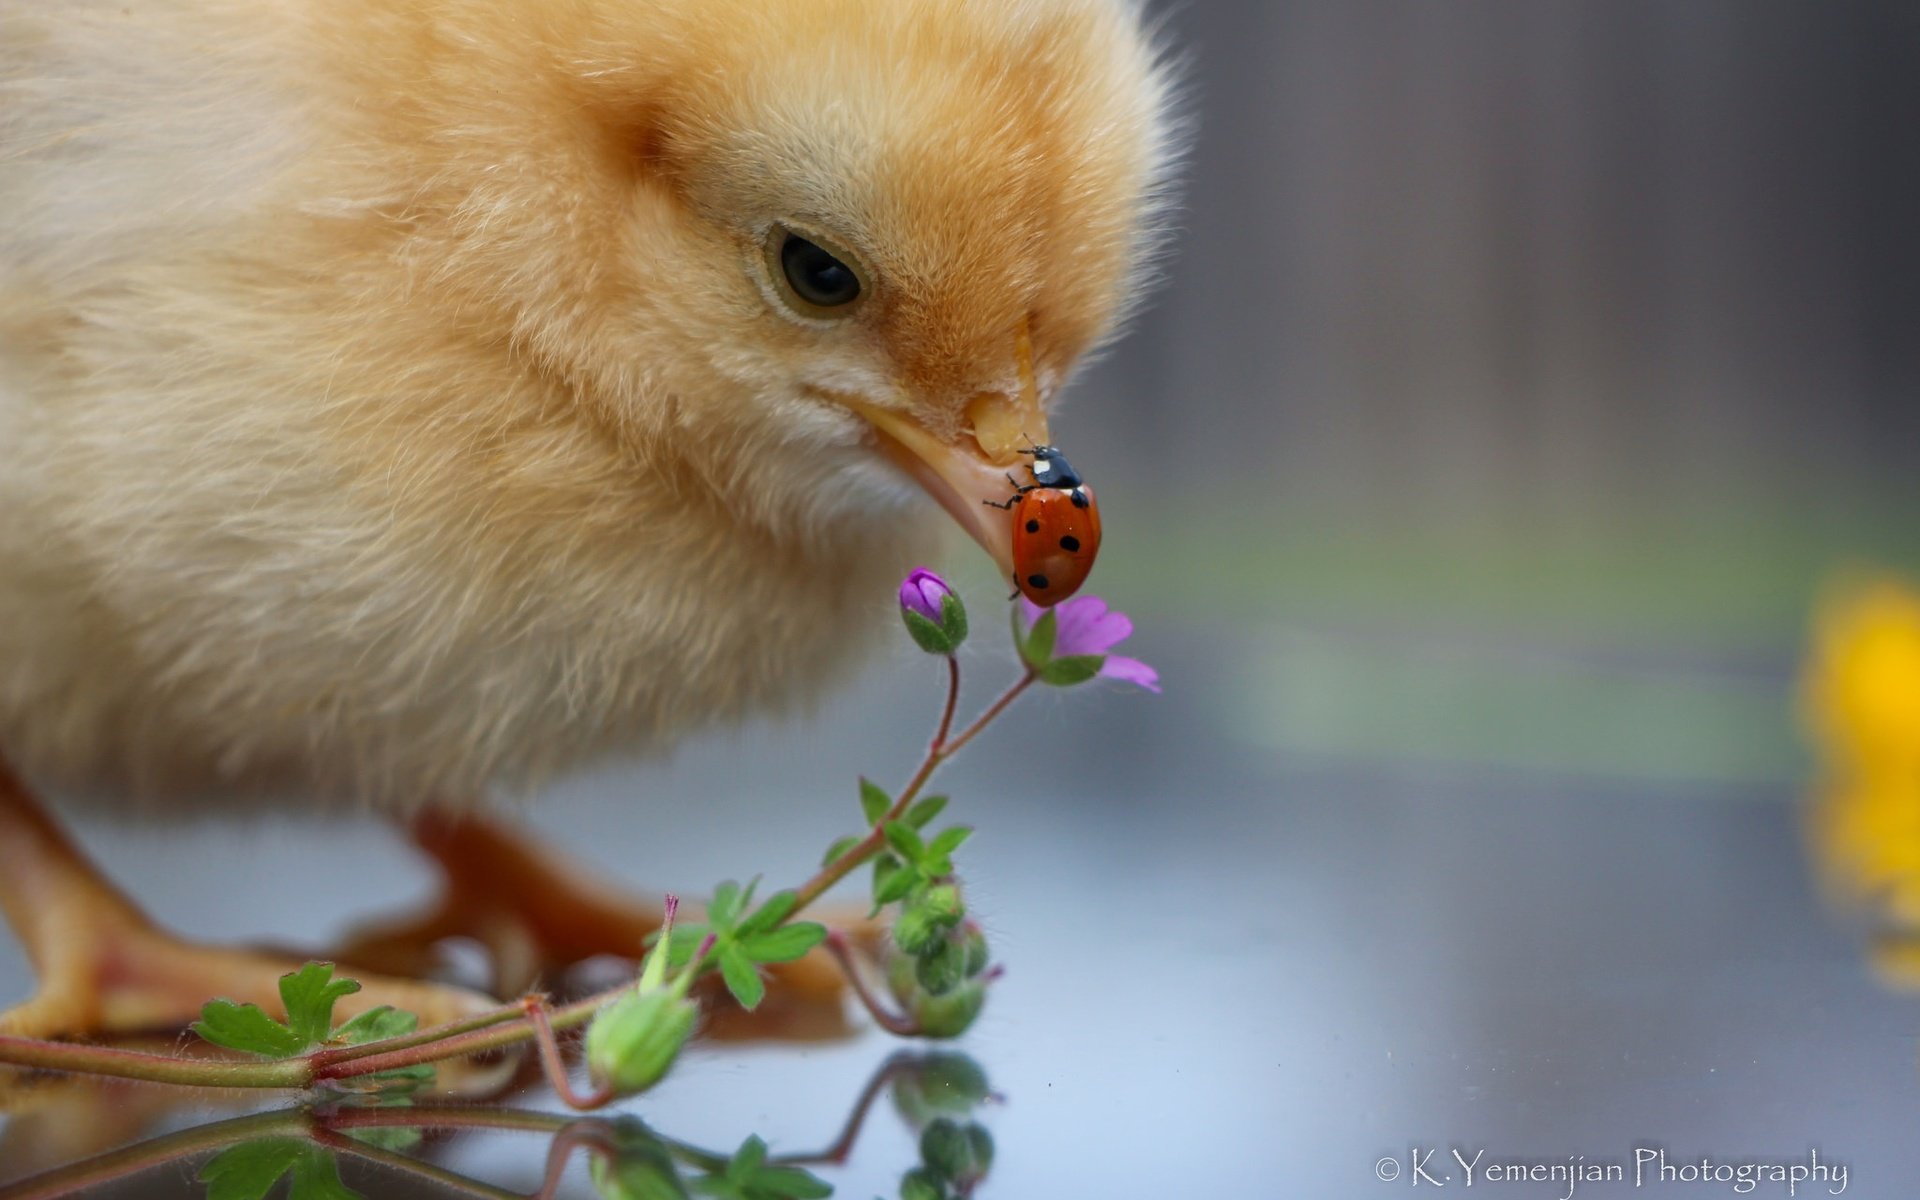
(1130, 670)
(1088, 626)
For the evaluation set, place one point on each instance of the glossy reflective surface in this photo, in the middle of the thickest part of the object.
(1228, 964)
(1514, 395)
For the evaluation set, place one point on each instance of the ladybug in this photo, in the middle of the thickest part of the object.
(1056, 528)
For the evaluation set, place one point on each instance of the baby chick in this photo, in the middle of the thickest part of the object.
(403, 401)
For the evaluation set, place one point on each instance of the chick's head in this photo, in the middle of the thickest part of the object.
(749, 233)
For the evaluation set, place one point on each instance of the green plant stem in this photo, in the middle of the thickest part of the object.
(482, 1020)
(987, 718)
(937, 753)
(477, 1041)
(451, 1040)
(154, 1068)
(495, 1029)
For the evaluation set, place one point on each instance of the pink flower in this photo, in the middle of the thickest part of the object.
(924, 592)
(1084, 627)
(932, 611)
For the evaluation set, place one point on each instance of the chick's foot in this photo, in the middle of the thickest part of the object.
(105, 968)
(538, 913)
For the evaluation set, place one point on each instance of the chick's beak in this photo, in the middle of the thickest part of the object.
(967, 473)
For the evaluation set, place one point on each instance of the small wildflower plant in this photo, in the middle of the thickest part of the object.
(298, 1152)
(934, 957)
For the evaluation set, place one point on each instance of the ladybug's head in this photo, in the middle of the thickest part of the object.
(1051, 468)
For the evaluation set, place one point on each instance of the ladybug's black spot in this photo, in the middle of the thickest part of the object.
(1069, 542)
(1079, 498)
(1033, 526)
(1037, 581)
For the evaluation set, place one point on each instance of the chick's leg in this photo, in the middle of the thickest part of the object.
(105, 968)
(537, 913)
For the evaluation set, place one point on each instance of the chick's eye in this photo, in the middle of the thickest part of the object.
(814, 274)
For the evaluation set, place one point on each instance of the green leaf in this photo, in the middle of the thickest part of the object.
(924, 810)
(784, 945)
(895, 886)
(310, 994)
(247, 1028)
(741, 977)
(929, 635)
(950, 839)
(249, 1171)
(686, 942)
(317, 1177)
(874, 801)
(1066, 672)
(1037, 650)
(904, 840)
(728, 901)
(884, 869)
(953, 618)
(376, 1025)
(839, 848)
(770, 914)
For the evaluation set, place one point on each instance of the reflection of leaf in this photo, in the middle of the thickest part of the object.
(748, 1177)
(397, 1139)
(250, 1170)
(317, 1177)
(640, 1167)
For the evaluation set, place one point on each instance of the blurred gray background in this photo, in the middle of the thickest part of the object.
(1522, 373)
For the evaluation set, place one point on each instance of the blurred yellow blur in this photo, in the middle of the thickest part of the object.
(1863, 709)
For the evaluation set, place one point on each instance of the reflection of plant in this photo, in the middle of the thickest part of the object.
(747, 1176)
(936, 966)
(249, 1171)
(938, 1097)
(248, 1157)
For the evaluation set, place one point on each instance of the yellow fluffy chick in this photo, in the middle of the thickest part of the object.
(403, 400)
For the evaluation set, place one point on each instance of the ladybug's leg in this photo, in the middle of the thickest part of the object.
(1019, 490)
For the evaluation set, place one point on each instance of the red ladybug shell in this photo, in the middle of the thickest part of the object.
(1054, 542)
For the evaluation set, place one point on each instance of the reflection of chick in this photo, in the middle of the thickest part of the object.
(397, 400)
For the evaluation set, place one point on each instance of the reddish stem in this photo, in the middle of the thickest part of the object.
(841, 951)
(555, 1065)
(937, 753)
